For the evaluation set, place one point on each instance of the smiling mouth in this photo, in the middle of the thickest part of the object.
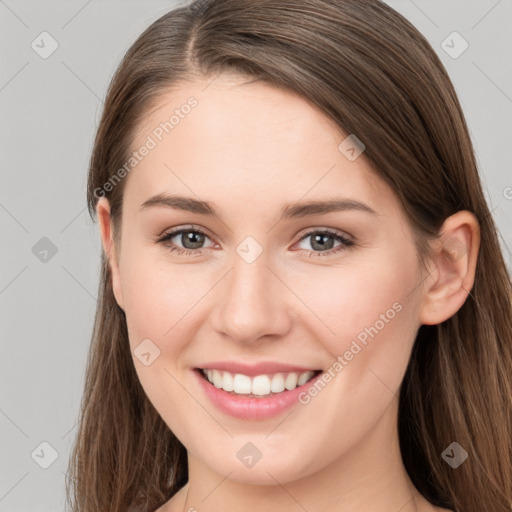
(258, 386)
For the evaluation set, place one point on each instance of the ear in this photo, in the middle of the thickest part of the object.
(454, 258)
(109, 246)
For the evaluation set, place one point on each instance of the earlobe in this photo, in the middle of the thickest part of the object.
(109, 247)
(455, 255)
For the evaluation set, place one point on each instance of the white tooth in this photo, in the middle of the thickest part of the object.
(304, 377)
(227, 381)
(261, 385)
(291, 381)
(242, 384)
(217, 378)
(277, 384)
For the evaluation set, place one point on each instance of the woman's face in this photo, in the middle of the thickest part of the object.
(262, 283)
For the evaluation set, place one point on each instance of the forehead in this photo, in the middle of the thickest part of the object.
(227, 139)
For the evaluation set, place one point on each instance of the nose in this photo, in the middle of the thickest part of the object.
(251, 303)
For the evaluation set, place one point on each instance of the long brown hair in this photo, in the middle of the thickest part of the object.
(366, 67)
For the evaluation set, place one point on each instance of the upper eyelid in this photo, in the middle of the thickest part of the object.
(176, 231)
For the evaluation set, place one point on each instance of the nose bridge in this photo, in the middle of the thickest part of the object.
(251, 304)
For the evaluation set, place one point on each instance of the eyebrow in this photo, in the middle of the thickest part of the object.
(289, 211)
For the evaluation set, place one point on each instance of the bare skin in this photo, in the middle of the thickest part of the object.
(249, 150)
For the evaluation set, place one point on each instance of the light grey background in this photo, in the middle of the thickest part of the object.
(49, 111)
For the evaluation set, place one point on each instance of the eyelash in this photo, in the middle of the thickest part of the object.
(346, 244)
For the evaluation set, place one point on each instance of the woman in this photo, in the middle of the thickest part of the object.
(303, 303)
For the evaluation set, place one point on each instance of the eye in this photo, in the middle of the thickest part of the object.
(191, 238)
(322, 242)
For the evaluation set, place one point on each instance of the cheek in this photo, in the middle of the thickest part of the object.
(343, 301)
(159, 302)
(374, 319)
(158, 298)
(366, 318)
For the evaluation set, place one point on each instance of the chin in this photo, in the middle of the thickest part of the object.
(268, 470)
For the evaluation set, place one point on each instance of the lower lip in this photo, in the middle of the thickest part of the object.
(247, 408)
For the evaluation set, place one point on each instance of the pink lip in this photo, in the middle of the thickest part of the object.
(251, 408)
(251, 370)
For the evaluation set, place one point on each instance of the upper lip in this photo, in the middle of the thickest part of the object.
(251, 370)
